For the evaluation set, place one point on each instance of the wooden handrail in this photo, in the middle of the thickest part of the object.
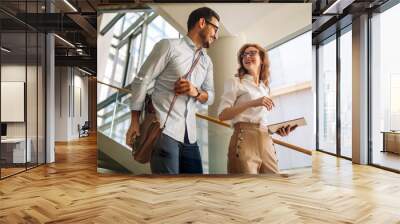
(214, 120)
(115, 87)
(291, 146)
(274, 93)
(276, 141)
(217, 121)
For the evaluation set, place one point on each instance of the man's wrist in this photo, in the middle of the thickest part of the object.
(198, 93)
(194, 92)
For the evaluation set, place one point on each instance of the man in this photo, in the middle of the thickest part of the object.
(176, 151)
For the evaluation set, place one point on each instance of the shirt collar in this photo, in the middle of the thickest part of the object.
(251, 79)
(191, 44)
(248, 77)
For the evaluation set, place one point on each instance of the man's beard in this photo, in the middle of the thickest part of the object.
(203, 36)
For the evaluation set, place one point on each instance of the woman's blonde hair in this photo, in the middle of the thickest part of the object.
(264, 71)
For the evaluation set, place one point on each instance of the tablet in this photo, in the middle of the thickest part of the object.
(299, 122)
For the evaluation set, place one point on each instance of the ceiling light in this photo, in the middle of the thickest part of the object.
(5, 50)
(70, 5)
(65, 41)
(79, 51)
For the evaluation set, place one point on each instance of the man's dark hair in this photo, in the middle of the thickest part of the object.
(203, 12)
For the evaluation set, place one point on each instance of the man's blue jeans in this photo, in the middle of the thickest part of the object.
(174, 157)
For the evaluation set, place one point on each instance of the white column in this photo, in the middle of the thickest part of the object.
(223, 54)
(65, 125)
(360, 90)
(50, 99)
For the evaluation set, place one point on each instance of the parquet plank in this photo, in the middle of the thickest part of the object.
(71, 191)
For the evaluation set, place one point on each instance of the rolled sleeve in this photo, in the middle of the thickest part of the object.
(208, 85)
(151, 68)
(229, 96)
(138, 89)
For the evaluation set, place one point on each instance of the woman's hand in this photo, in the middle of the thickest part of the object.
(284, 131)
(263, 101)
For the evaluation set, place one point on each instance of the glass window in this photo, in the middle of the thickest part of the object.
(129, 19)
(133, 59)
(114, 70)
(327, 96)
(22, 77)
(385, 84)
(346, 94)
(291, 64)
(158, 29)
(32, 101)
(285, 62)
(118, 28)
(121, 66)
(14, 155)
(394, 102)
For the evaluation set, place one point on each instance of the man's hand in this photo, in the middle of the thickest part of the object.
(183, 86)
(284, 131)
(133, 130)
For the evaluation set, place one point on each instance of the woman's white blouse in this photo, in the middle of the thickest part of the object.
(238, 91)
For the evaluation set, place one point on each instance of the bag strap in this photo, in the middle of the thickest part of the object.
(185, 76)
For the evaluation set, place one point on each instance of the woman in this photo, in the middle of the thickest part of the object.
(245, 102)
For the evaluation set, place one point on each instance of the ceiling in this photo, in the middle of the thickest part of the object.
(332, 15)
(79, 27)
(256, 22)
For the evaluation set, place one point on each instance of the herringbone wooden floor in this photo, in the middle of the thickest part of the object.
(71, 191)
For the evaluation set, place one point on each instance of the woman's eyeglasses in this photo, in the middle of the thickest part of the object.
(250, 53)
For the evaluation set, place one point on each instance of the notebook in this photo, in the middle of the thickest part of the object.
(299, 122)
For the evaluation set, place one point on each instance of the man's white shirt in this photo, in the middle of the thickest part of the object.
(169, 60)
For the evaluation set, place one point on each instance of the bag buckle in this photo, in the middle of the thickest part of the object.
(133, 146)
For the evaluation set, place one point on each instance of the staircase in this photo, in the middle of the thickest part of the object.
(213, 139)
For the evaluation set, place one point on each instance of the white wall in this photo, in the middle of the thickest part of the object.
(81, 84)
(12, 73)
(71, 94)
(61, 103)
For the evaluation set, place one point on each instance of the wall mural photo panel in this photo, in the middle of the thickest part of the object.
(228, 77)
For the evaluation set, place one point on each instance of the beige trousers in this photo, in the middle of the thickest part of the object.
(251, 151)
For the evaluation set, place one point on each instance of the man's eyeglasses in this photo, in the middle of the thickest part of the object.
(250, 53)
(213, 25)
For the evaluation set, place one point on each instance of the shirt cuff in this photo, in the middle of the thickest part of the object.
(210, 99)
